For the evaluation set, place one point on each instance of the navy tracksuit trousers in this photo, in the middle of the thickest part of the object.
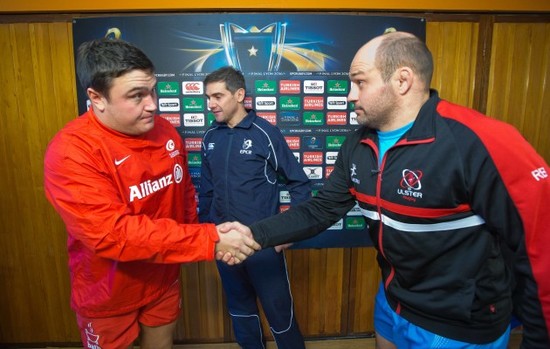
(262, 276)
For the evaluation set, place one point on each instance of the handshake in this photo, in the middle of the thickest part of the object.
(237, 243)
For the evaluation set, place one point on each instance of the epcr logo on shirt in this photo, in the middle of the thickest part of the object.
(247, 145)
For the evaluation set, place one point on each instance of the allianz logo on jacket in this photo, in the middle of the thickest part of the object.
(151, 186)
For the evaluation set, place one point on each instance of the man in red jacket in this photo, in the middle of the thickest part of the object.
(118, 177)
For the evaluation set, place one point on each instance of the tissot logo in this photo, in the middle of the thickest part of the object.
(192, 87)
(314, 86)
(193, 120)
(169, 104)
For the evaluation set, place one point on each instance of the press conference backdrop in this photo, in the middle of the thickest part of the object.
(296, 70)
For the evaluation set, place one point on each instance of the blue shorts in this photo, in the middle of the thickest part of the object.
(405, 335)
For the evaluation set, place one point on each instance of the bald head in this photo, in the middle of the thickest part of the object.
(395, 50)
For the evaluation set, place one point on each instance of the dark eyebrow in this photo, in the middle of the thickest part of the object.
(216, 94)
(139, 89)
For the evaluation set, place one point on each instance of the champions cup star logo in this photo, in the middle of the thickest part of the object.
(254, 49)
(264, 46)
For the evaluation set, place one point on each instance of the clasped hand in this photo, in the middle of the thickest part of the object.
(236, 243)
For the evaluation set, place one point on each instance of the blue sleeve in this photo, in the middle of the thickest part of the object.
(290, 169)
(206, 189)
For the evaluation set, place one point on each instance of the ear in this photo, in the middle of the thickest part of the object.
(404, 78)
(97, 99)
(240, 95)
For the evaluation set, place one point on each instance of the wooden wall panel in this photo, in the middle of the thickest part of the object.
(319, 283)
(519, 84)
(37, 98)
(203, 315)
(364, 281)
(454, 49)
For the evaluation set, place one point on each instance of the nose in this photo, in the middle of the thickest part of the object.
(151, 103)
(353, 94)
(209, 104)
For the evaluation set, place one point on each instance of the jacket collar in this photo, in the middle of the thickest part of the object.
(245, 123)
(424, 125)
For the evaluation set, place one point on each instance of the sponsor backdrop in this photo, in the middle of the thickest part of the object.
(296, 70)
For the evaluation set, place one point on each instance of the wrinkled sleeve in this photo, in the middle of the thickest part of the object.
(311, 217)
(297, 182)
(514, 203)
(206, 190)
(90, 204)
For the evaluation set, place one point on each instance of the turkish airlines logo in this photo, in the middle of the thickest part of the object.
(192, 87)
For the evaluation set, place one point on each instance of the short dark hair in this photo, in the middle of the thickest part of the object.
(100, 61)
(396, 51)
(233, 78)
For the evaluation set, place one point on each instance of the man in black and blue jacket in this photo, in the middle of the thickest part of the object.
(456, 205)
(243, 158)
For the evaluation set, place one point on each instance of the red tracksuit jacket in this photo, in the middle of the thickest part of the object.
(130, 211)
